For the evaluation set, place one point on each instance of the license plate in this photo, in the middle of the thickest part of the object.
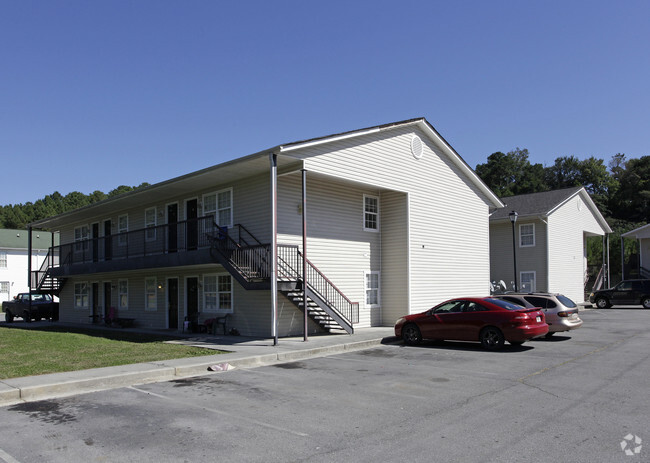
(538, 319)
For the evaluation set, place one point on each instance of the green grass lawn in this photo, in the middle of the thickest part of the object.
(52, 349)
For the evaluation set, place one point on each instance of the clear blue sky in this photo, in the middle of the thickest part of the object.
(97, 94)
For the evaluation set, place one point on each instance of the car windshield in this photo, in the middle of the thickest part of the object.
(566, 302)
(41, 298)
(504, 304)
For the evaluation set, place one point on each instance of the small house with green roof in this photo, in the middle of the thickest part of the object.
(14, 260)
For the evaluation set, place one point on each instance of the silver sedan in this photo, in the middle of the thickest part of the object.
(560, 311)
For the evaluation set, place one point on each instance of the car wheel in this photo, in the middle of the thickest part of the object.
(492, 338)
(646, 302)
(26, 317)
(9, 317)
(549, 335)
(602, 303)
(411, 334)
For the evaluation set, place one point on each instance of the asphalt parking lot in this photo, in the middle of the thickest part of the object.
(572, 398)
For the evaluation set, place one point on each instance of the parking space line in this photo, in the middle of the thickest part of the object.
(220, 412)
(4, 456)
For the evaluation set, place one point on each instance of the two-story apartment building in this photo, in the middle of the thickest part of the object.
(390, 218)
(550, 241)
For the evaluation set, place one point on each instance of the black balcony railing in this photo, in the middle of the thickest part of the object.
(175, 237)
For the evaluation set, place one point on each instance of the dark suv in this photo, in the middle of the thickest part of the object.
(627, 292)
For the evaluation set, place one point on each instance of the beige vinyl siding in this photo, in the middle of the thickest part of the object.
(532, 258)
(67, 312)
(251, 207)
(395, 293)
(337, 243)
(529, 259)
(501, 262)
(567, 227)
(449, 238)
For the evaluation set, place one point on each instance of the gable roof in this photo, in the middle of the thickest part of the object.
(258, 163)
(545, 203)
(638, 233)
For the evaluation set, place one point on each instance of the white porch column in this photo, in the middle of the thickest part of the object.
(273, 157)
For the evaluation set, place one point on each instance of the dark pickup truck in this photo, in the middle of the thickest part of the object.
(42, 306)
(627, 292)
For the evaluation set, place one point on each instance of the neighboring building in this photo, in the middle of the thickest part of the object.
(642, 235)
(396, 222)
(14, 262)
(550, 236)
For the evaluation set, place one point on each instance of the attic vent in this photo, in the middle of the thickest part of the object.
(579, 204)
(416, 147)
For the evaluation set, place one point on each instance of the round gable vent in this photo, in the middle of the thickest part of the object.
(416, 147)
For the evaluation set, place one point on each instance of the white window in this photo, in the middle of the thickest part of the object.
(123, 294)
(370, 213)
(219, 206)
(527, 283)
(122, 228)
(151, 295)
(527, 235)
(4, 291)
(81, 296)
(150, 223)
(3, 259)
(372, 289)
(217, 293)
(81, 237)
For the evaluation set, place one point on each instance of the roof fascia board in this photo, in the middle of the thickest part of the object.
(638, 232)
(427, 129)
(322, 141)
(590, 204)
(44, 222)
(564, 201)
(594, 209)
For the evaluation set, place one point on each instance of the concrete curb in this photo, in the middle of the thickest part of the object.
(33, 388)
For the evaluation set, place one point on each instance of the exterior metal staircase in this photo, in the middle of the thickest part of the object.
(42, 280)
(249, 262)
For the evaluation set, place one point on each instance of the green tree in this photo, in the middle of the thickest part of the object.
(512, 173)
(632, 199)
(20, 215)
(564, 173)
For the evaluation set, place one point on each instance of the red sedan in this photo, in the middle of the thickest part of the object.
(487, 320)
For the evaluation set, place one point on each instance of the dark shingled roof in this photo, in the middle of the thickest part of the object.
(534, 204)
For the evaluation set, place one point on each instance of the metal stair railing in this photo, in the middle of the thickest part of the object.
(250, 262)
(39, 278)
(319, 287)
